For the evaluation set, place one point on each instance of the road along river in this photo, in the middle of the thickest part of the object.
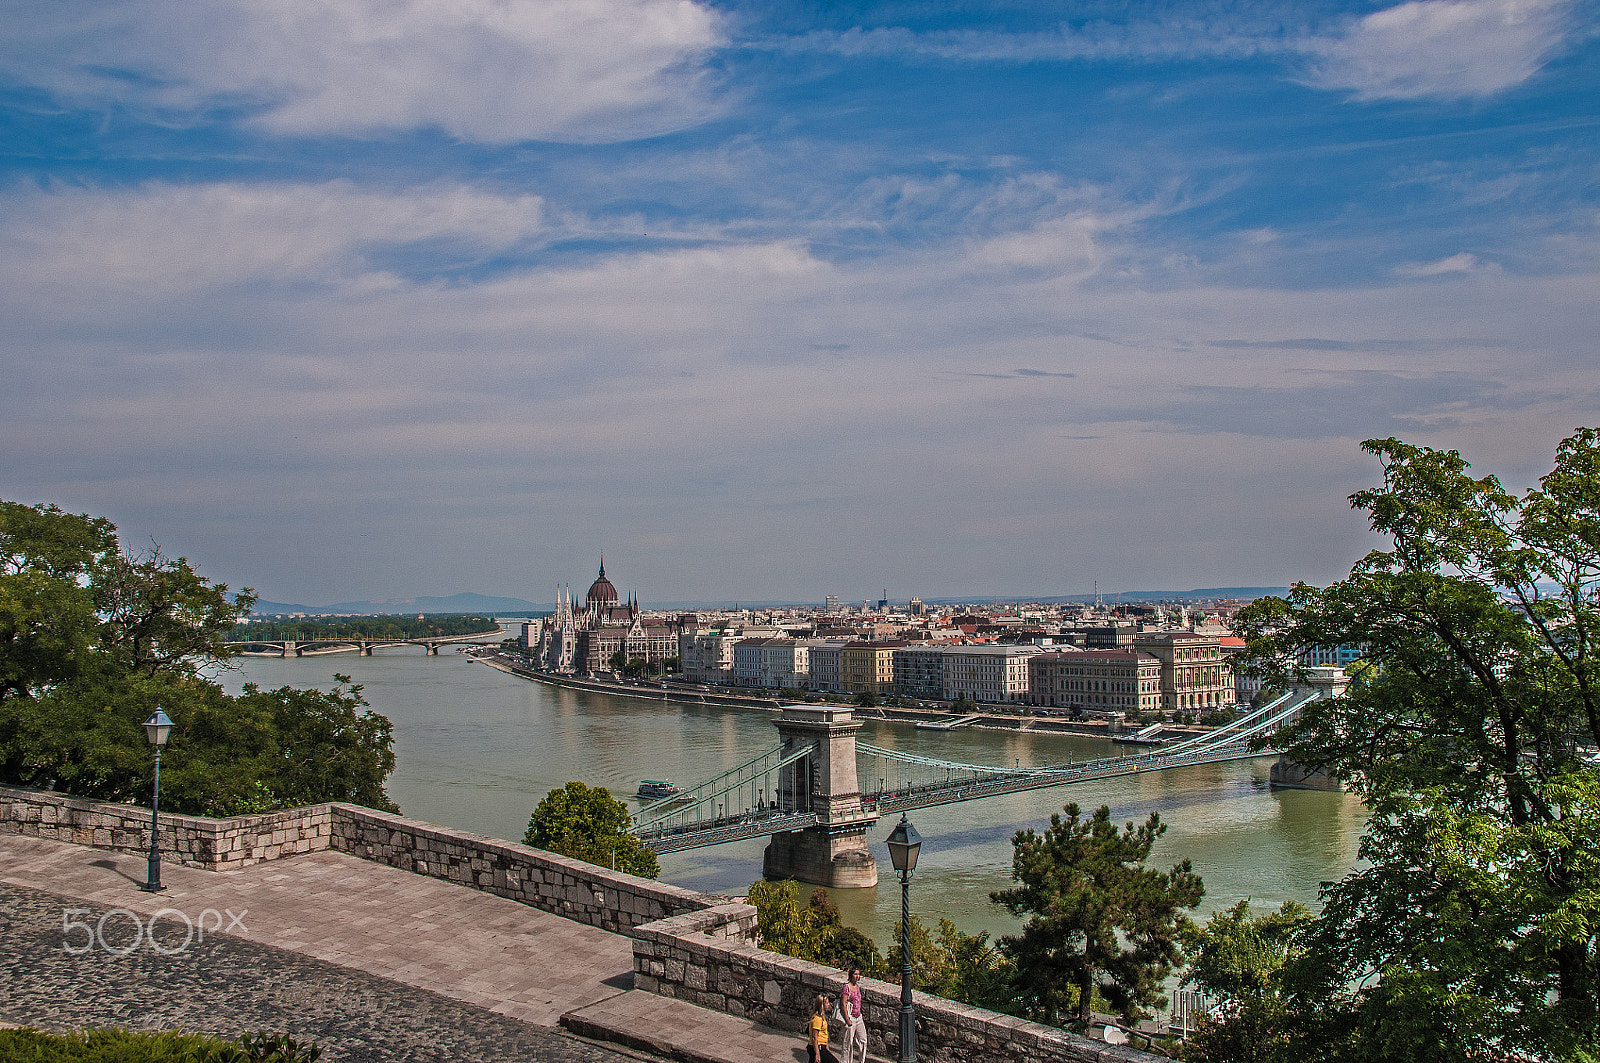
(477, 748)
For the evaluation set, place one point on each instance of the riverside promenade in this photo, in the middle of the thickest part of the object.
(373, 963)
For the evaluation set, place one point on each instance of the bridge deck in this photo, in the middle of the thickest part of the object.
(737, 828)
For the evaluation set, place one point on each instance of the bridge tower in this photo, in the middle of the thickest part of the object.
(834, 852)
(1289, 774)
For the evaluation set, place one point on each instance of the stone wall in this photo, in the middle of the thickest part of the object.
(213, 844)
(611, 900)
(688, 945)
(600, 897)
(696, 958)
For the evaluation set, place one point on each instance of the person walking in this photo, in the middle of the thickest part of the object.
(817, 1050)
(855, 1018)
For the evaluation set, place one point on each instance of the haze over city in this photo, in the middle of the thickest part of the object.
(774, 301)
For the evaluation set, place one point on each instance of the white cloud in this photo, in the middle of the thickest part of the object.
(482, 70)
(1440, 49)
(1464, 262)
(241, 358)
(1444, 49)
(181, 238)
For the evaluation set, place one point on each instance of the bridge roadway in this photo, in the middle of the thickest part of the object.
(737, 827)
(364, 645)
(666, 826)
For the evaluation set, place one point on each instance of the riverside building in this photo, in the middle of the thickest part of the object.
(987, 673)
(1194, 676)
(1096, 680)
(587, 640)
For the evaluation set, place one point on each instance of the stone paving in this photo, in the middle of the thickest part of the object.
(227, 985)
(469, 946)
(371, 962)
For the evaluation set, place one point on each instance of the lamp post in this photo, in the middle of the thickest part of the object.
(904, 844)
(156, 729)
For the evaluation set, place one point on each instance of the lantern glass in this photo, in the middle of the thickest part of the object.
(157, 728)
(904, 844)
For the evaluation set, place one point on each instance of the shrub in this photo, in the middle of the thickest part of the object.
(168, 1046)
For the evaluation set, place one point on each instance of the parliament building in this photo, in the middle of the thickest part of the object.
(585, 640)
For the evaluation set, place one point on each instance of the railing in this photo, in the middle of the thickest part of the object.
(757, 775)
(909, 780)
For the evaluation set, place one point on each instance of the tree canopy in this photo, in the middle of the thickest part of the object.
(1472, 928)
(94, 638)
(1100, 922)
(588, 824)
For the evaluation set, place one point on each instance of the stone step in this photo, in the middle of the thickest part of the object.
(675, 1029)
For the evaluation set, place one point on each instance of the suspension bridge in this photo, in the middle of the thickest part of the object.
(819, 790)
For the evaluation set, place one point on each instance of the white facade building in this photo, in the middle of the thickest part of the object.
(770, 663)
(987, 673)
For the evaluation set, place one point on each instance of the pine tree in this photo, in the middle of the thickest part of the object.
(1101, 922)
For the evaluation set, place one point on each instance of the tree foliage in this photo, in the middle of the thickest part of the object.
(1240, 957)
(372, 627)
(810, 931)
(93, 639)
(588, 824)
(1473, 926)
(1100, 922)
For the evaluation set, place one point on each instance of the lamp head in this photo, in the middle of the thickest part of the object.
(904, 844)
(157, 728)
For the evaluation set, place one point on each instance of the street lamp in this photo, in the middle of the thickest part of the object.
(156, 729)
(904, 844)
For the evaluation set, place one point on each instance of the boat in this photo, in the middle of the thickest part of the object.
(653, 788)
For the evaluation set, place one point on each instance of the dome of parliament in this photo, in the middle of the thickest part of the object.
(601, 591)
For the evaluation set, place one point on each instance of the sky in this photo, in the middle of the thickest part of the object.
(370, 299)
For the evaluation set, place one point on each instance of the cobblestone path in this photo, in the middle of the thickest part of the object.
(225, 986)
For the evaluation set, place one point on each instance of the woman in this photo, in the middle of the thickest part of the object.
(817, 1050)
(855, 1020)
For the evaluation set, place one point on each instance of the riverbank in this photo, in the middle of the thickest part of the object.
(666, 691)
(505, 663)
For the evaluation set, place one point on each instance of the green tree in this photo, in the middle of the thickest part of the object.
(587, 823)
(157, 614)
(974, 971)
(92, 639)
(1240, 957)
(1473, 926)
(47, 612)
(1100, 921)
(810, 931)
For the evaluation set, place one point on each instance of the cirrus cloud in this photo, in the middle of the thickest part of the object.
(1440, 49)
(493, 71)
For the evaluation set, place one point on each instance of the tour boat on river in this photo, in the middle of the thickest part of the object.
(653, 788)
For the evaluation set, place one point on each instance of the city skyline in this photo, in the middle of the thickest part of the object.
(359, 302)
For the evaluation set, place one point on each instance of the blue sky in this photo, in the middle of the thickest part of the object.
(359, 299)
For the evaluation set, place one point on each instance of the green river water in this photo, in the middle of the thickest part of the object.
(477, 748)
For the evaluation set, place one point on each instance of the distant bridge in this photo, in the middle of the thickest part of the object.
(359, 644)
(794, 789)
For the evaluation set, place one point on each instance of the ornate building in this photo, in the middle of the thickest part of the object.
(586, 640)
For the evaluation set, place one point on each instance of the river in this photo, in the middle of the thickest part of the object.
(477, 748)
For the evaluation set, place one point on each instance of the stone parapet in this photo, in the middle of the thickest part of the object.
(709, 959)
(195, 841)
(686, 945)
(611, 900)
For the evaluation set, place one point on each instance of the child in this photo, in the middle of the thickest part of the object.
(817, 1050)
